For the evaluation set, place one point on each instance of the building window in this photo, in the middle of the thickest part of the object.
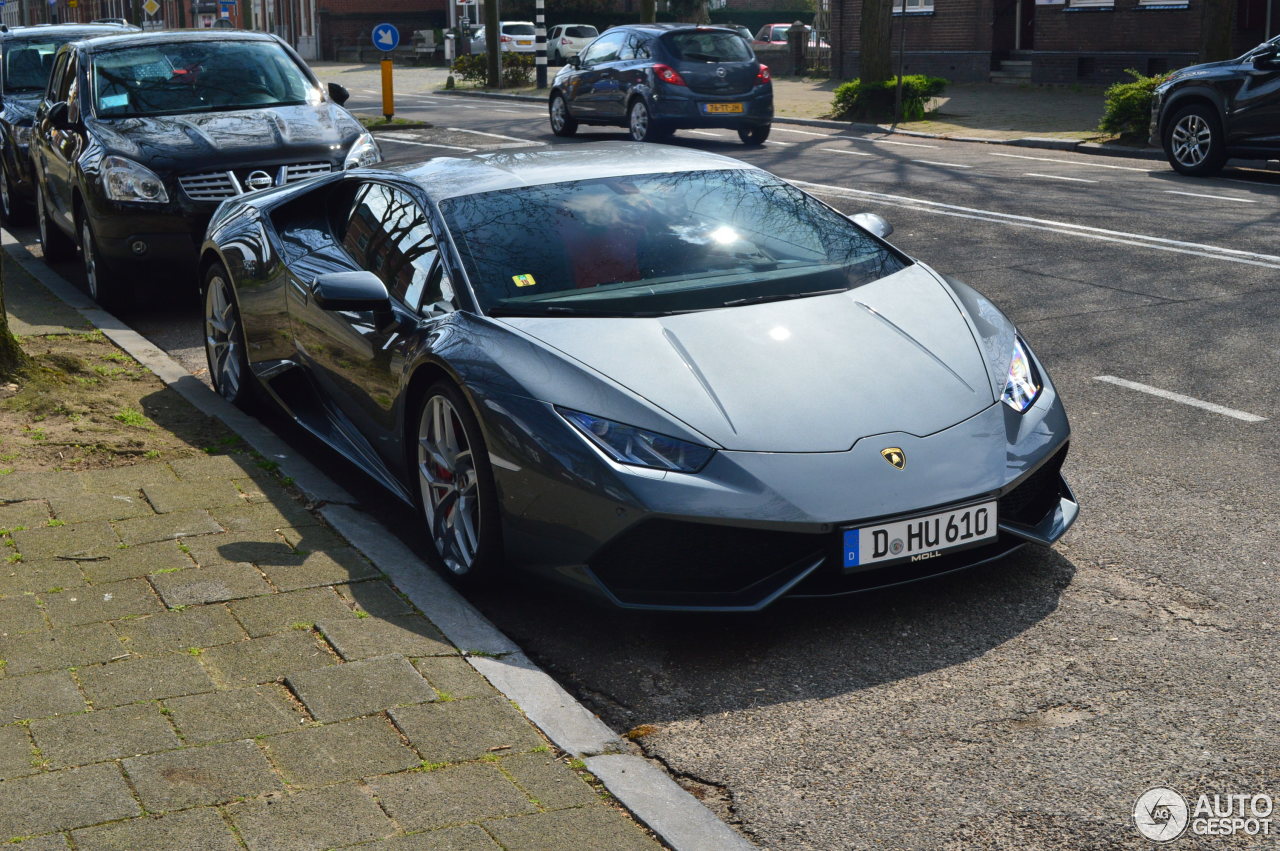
(1093, 4)
(913, 6)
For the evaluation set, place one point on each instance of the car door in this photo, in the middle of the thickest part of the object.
(57, 148)
(594, 89)
(1255, 109)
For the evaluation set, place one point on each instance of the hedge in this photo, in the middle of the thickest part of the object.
(1128, 106)
(855, 100)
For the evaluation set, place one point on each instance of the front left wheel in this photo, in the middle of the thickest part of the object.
(104, 283)
(224, 345)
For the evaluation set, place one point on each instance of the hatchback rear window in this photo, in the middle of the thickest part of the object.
(581, 32)
(518, 29)
(707, 46)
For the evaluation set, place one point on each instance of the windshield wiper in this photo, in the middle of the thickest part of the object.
(761, 299)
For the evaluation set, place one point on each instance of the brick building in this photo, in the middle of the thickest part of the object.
(1046, 41)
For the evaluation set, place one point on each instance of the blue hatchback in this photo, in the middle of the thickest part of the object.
(654, 79)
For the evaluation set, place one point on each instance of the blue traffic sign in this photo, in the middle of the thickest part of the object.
(386, 37)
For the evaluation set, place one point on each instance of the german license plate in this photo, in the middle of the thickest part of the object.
(920, 538)
(721, 108)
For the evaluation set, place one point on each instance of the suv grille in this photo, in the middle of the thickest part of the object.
(219, 185)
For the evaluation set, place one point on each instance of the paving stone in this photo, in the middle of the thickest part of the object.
(262, 660)
(126, 480)
(204, 467)
(376, 597)
(265, 516)
(70, 540)
(203, 776)
(191, 830)
(237, 714)
(215, 584)
(15, 753)
(596, 826)
(304, 821)
(310, 539)
(132, 680)
(27, 513)
(107, 602)
(20, 614)
(48, 842)
(169, 632)
(39, 696)
(408, 635)
(167, 497)
(454, 677)
(103, 734)
(348, 750)
(99, 506)
(64, 800)
(278, 612)
(36, 576)
(548, 780)
(130, 562)
(459, 730)
(235, 547)
(59, 648)
(328, 567)
(165, 527)
(468, 837)
(360, 688)
(425, 800)
(40, 485)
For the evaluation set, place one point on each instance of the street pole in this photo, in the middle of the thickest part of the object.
(492, 44)
(540, 40)
(902, 61)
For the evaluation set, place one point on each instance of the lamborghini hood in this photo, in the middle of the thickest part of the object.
(809, 375)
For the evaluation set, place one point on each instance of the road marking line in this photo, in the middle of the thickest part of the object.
(1214, 197)
(843, 151)
(707, 133)
(776, 142)
(1058, 177)
(777, 129)
(884, 141)
(396, 141)
(944, 165)
(1069, 162)
(1178, 397)
(1232, 255)
(493, 135)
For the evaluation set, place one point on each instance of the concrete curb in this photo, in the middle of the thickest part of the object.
(1025, 142)
(655, 799)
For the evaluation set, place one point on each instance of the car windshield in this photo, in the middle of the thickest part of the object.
(196, 76)
(657, 244)
(707, 46)
(27, 63)
(581, 32)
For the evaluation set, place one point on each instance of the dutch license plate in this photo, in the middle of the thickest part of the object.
(524, 42)
(721, 108)
(920, 538)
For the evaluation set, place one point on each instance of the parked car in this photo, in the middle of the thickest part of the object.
(776, 35)
(26, 57)
(1205, 114)
(656, 78)
(514, 37)
(592, 361)
(140, 137)
(565, 40)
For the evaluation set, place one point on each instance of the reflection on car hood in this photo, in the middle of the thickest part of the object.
(194, 139)
(808, 375)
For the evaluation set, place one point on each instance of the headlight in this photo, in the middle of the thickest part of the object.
(1023, 384)
(364, 152)
(630, 445)
(125, 180)
(22, 134)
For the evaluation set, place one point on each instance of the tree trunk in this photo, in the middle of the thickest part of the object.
(12, 358)
(648, 11)
(874, 53)
(1217, 20)
(492, 44)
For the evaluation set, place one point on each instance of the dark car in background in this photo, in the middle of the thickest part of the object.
(26, 58)
(655, 79)
(140, 137)
(1204, 114)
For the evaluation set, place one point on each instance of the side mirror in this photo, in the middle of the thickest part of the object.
(338, 94)
(58, 116)
(877, 225)
(351, 291)
(575, 61)
(1268, 59)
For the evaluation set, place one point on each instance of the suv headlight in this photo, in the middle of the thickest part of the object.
(364, 152)
(126, 180)
(637, 447)
(1023, 384)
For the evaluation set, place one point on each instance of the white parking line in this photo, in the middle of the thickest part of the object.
(843, 151)
(1214, 197)
(1178, 397)
(1068, 162)
(492, 135)
(777, 129)
(944, 165)
(884, 141)
(397, 141)
(1058, 177)
(708, 133)
(776, 142)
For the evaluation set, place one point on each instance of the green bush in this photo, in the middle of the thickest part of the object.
(471, 67)
(517, 68)
(1128, 106)
(855, 100)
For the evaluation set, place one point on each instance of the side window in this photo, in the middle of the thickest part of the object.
(390, 235)
(72, 96)
(637, 47)
(55, 79)
(603, 49)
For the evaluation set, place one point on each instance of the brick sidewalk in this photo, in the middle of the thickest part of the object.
(190, 659)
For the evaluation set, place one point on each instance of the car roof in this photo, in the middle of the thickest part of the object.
(442, 178)
(671, 27)
(131, 39)
(72, 30)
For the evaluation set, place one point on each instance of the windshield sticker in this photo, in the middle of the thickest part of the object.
(112, 101)
(524, 280)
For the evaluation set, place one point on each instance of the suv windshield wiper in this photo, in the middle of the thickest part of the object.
(761, 299)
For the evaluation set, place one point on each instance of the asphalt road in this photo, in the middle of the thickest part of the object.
(1029, 703)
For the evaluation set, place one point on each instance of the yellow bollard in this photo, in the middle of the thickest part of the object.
(388, 95)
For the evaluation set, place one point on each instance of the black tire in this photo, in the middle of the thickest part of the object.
(224, 341)
(100, 276)
(12, 210)
(54, 244)
(754, 135)
(562, 123)
(1194, 142)
(466, 534)
(642, 126)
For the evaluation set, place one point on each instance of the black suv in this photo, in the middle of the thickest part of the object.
(656, 78)
(140, 137)
(26, 57)
(1206, 113)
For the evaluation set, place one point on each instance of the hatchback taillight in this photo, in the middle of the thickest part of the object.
(667, 74)
(506, 38)
(764, 76)
(565, 41)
